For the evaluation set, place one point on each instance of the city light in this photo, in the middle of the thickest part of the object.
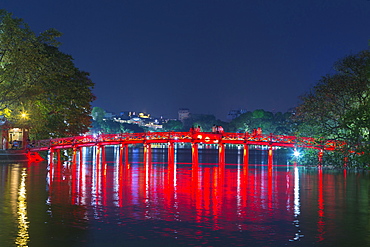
(296, 153)
(24, 115)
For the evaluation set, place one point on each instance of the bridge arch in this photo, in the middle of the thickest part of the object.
(194, 138)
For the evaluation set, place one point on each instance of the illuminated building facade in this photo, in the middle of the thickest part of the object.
(12, 137)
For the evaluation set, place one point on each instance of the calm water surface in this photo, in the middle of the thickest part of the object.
(90, 203)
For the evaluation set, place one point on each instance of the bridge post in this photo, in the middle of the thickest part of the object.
(171, 152)
(51, 168)
(51, 154)
(103, 154)
(345, 161)
(194, 153)
(221, 153)
(58, 157)
(81, 155)
(98, 154)
(74, 155)
(126, 153)
(120, 155)
(147, 153)
(320, 155)
(246, 154)
(270, 156)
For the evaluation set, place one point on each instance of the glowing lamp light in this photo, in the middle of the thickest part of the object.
(199, 136)
(24, 115)
(296, 153)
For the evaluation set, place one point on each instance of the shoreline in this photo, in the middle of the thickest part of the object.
(19, 155)
(13, 155)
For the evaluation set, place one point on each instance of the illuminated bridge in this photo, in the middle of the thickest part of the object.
(192, 137)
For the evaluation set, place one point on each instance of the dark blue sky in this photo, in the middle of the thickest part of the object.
(209, 56)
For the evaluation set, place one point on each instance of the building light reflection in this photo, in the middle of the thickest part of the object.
(22, 236)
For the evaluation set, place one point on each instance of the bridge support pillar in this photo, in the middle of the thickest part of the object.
(221, 153)
(74, 155)
(194, 153)
(124, 150)
(270, 156)
(100, 154)
(246, 154)
(51, 155)
(320, 155)
(345, 161)
(103, 154)
(147, 153)
(81, 157)
(59, 161)
(171, 153)
(120, 155)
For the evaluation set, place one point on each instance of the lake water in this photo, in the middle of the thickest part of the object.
(90, 203)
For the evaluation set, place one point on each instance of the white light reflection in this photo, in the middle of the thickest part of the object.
(94, 182)
(116, 175)
(82, 179)
(297, 206)
(296, 193)
(238, 195)
(23, 236)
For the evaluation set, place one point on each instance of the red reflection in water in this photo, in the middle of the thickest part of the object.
(320, 221)
(214, 197)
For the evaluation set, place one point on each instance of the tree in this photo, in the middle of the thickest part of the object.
(338, 106)
(173, 125)
(278, 123)
(98, 114)
(39, 85)
(206, 122)
(241, 123)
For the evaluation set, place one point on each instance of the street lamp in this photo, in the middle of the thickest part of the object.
(24, 115)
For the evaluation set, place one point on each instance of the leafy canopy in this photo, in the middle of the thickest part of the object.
(40, 87)
(338, 106)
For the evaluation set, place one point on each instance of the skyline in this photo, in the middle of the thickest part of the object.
(208, 56)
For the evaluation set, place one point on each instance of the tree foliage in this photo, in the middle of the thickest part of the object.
(109, 126)
(173, 125)
(98, 114)
(278, 123)
(338, 106)
(39, 84)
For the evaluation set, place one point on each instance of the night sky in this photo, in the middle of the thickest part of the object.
(209, 56)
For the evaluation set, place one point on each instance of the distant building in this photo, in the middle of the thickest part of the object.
(140, 118)
(143, 115)
(235, 113)
(183, 114)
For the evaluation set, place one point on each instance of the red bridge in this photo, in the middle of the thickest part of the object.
(194, 138)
